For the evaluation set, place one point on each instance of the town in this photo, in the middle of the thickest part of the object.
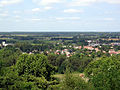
(70, 49)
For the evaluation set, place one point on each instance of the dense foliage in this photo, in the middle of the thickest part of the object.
(105, 73)
(36, 65)
(40, 61)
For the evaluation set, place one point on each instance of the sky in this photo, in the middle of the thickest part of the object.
(60, 15)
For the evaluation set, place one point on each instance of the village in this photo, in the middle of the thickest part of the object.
(68, 50)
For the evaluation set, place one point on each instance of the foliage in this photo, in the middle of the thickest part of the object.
(9, 56)
(11, 81)
(79, 62)
(105, 73)
(36, 65)
(72, 82)
(31, 72)
(23, 46)
(52, 59)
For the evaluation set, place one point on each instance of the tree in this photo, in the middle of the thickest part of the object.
(105, 73)
(12, 81)
(60, 59)
(24, 46)
(36, 65)
(72, 82)
(52, 59)
(8, 56)
(79, 62)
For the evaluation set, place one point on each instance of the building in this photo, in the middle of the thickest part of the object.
(88, 47)
(4, 44)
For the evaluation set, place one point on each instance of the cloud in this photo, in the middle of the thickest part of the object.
(42, 9)
(35, 19)
(4, 14)
(111, 1)
(17, 20)
(36, 9)
(48, 8)
(73, 11)
(109, 19)
(89, 2)
(81, 2)
(47, 2)
(9, 2)
(16, 12)
(74, 2)
(17, 17)
(68, 18)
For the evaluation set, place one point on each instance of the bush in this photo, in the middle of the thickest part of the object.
(72, 82)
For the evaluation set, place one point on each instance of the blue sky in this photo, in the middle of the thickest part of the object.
(60, 15)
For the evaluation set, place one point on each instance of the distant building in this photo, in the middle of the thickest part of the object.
(113, 44)
(96, 49)
(78, 47)
(112, 51)
(88, 47)
(109, 39)
(4, 44)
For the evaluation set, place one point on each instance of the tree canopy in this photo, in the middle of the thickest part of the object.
(105, 73)
(36, 65)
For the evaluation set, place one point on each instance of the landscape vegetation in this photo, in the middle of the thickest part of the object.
(59, 61)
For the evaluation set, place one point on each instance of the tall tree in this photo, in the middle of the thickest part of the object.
(105, 73)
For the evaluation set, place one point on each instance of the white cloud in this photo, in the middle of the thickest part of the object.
(17, 20)
(73, 11)
(48, 8)
(35, 19)
(47, 2)
(41, 10)
(89, 2)
(9, 2)
(17, 16)
(36, 9)
(111, 1)
(109, 19)
(81, 2)
(74, 2)
(68, 18)
(16, 12)
(60, 18)
(3, 14)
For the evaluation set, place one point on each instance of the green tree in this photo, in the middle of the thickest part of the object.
(72, 82)
(24, 46)
(9, 56)
(52, 59)
(105, 73)
(36, 65)
(79, 62)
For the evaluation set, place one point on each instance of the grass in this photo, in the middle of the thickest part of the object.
(60, 77)
(77, 74)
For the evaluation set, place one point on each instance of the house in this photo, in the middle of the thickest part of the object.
(4, 44)
(96, 49)
(77, 47)
(113, 44)
(88, 47)
(112, 51)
